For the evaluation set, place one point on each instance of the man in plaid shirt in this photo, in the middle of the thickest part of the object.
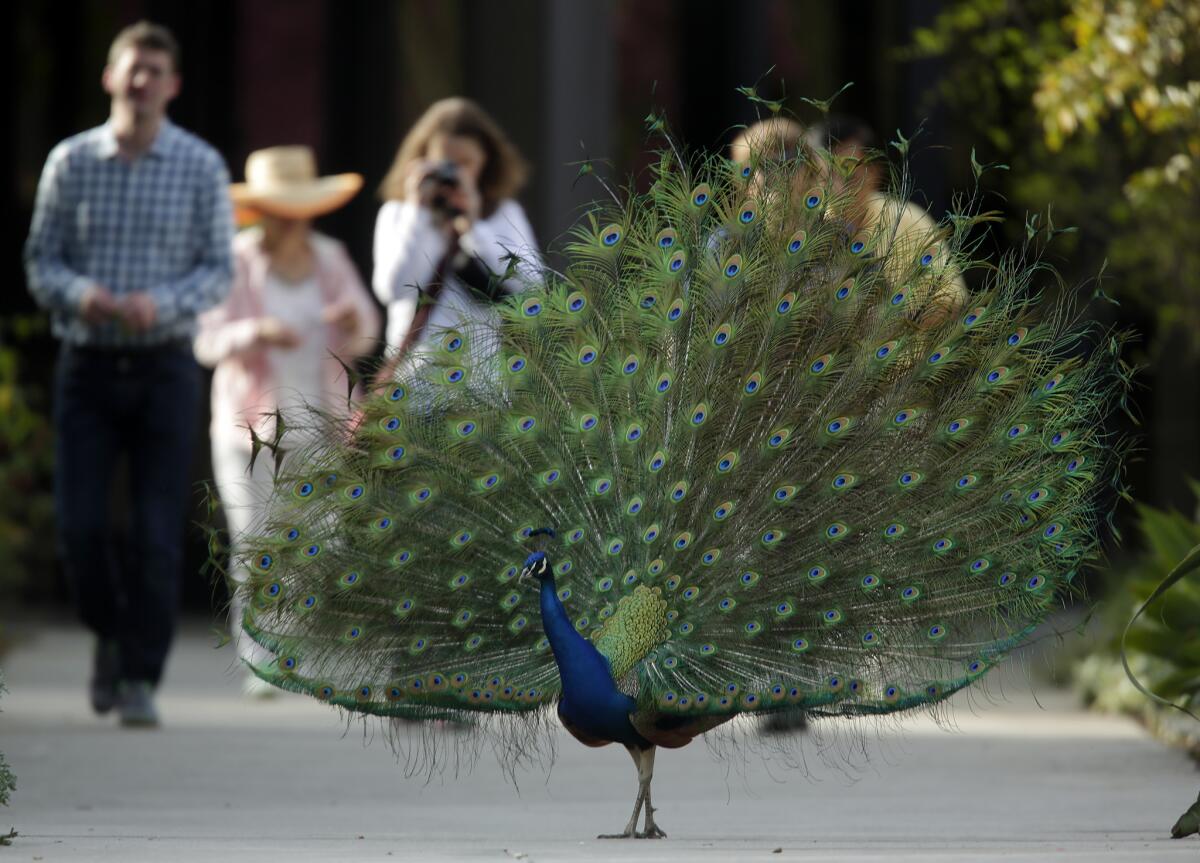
(130, 241)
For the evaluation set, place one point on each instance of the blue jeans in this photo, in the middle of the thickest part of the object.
(141, 404)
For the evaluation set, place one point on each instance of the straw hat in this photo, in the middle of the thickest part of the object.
(283, 182)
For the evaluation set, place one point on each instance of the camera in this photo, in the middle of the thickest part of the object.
(444, 178)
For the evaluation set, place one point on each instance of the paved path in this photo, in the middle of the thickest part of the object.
(230, 779)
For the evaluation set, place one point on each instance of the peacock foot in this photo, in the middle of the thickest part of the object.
(652, 832)
(628, 834)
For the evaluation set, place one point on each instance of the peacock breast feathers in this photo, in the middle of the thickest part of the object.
(773, 482)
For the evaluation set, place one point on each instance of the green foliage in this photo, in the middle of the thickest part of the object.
(1163, 647)
(1095, 106)
(8, 782)
(26, 462)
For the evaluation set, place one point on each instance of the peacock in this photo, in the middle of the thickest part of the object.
(723, 461)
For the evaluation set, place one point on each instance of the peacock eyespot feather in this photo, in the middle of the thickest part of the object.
(723, 511)
(689, 594)
(843, 481)
(748, 213)
(909, 478)
(349, 579)
(980, 564)
(657, 461)
(1035, 582)
(633, 433)
(701, 195)
(291, 534)
(312, 550)
(710, 556)
(845, 290)
(651, 533)
(421, 495)
(772, 537)
(474, 643)
(575, 535)
(452, 342)
(576, 302)
(1017, 431)
(631, 364)
(272, 590)
(893, 530)
(974, 316)
(683, 540)
(784, 493)
(943, 544)
(966, 481)
(870, 582)
(648, 301)
(402, 557)
(456, 375)
(722, 335)
(753, 383)
(1006, 578)
(800, 645)
(516, 364)
(699, 414)
(837, 530)
(564, 567)
(832, 616)
(1017, 336)
(390, 424)
(635, 506)
(785, 303)
(927, 257)
(309, 602)
(784, 609)
(418, 645)
(615, 546)
(870, 638)
(459, 581)
(531, 308)
(955, 426)
(858, 244)
(675, 264)
(817, 574)
(1051, 530)
(891, 694)
(611, 235)
(733, 266)
(727, 462)
(671, 583)
(656, 566)
(265, 562)
(666, 238)
(997, 374)
(749, 579)
(525, 424)
(909, 594)
(587, 422)
(753, 627)
(727, 604)
(1059, 438)
(812, 200)
(796, 243)
(902, 417)
(938, 355)
(288, 663)
(779, 437)
(396, 394)
(838, 425)
(885, 350)
(1051, 383)
(587, 355)
(604, 584)
(304, 489)
(679, 491)
(663, 384)
(602, 486)
(820, 364)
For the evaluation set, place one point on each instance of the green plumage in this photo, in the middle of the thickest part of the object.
(732, 411)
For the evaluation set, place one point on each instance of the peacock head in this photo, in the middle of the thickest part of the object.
(537, 565)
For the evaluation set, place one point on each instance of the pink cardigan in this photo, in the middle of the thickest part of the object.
(242, 387)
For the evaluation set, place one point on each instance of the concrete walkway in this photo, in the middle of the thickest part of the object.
(229, 779)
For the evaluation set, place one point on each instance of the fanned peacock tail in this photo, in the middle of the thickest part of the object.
(773, 482)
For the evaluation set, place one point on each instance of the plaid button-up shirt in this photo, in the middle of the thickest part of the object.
(160, 224)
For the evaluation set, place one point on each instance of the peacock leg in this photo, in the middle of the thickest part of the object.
(645, 774)
(631, 827)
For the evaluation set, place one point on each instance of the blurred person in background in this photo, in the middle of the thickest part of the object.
(296, 308)
(129, 242)
(858, 182)
(450, 238)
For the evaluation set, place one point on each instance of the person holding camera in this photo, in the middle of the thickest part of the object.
(450, 238)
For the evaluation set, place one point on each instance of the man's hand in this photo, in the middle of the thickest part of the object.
(343, 315)
(97, 305)
(138, 311)
(274, 333)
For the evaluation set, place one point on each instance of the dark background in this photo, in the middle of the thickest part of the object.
(567, 80)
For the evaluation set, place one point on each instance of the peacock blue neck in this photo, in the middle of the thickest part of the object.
(590, 699)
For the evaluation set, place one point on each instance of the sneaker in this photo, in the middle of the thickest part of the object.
(105, 667)
(135, 704)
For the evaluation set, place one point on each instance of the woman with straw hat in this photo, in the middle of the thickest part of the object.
(297, 306)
